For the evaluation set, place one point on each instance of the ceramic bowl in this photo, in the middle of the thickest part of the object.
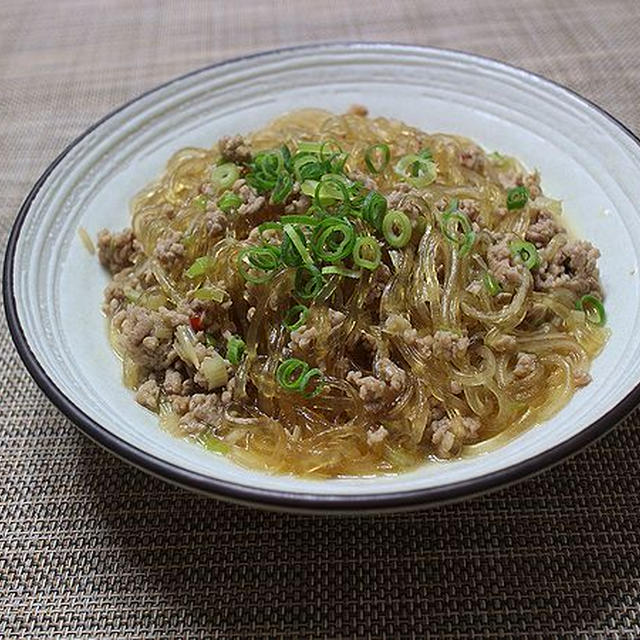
(53, 287)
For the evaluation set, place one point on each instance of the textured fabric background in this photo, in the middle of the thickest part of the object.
(90, 548)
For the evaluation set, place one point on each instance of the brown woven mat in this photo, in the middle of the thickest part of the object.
(90, 548)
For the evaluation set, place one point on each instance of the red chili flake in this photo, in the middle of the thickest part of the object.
(196, 323)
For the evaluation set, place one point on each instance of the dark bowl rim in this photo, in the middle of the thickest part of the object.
(275, 499)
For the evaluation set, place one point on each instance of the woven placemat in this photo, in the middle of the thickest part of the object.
(91, 548)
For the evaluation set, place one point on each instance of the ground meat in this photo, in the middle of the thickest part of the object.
(376, 436)
(381, 277)
(470, 207)
(532, 182)
(358, 110)
(336, 317)
(392, 374)
(368, 181)
(303, 339)
(234, 149)
(449, 434)
(574, 267)
(172, 382)
(449, 346)
(117, 251)
(473, 158)
(252, 202)
(205, 410)
(370, 389)
(299, 204)
(148, 394)
(525, 365)
(400, 326)
(499, 260)
(543, 227)
(215, 222)
(147, 335)
(169, 249)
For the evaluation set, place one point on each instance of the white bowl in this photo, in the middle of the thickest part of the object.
(53, 288)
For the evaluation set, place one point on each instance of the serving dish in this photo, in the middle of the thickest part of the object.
(53, 287)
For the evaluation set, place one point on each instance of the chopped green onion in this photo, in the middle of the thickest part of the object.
(306, 146)
(309, 221)
(265, 169)
(199, 267)
(308, 281)
(289, 253)
(377, 157)
(330, 188)
(282, 188)
(214, 444)
(209, 340)
(235, 349)
(464, 241)
(374, 208)
(526, 252)
(396, 228)
(366, 253)
(262, 259)
(290, 373)
(340, 271)
(326, 152)
(517, 198)
(333, 239)
(307, 167)
(417, 170)
(308, 187)
(593, 309)
(295, 317)
(269, 225)
(209, 293)
(298, 241)
(223, 176)
(200, 202)
(316, 388)
(491, 284)
(228, 201)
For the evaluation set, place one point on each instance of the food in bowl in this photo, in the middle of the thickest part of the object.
(340, 295)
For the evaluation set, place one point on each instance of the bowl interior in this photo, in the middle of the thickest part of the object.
(584, 157)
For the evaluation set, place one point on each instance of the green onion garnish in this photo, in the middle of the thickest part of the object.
(417, 170)
(331, 188)
(295, 375)
(316, 387)
(224, 176)
(306, 146)
(307, 167)
(295, 317)
(282, 188)
(366, 253)
(308, 281)
(264, 260)
(200, 202)
(374, 208)
(199, 267)
(396, 228)
(340, 271)
(290, 373)
(463, 240)
(209, 293)
(517, 198)
(265, 169)
(593, 309)
(308, 221)
(377, 157)
(296, 241)
(235, 349)
(333, 239)
(526, 252)
(491, 284)
(228, 201)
